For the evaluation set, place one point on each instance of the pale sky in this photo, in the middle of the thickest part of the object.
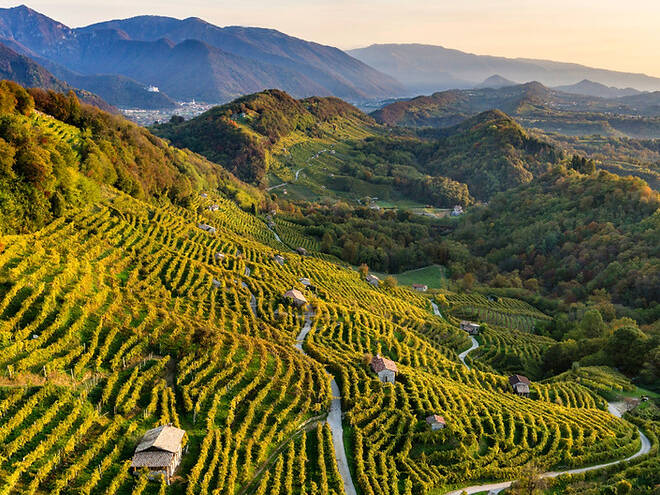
(610, 34)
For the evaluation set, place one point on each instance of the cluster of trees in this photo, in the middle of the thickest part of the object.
(385, 240)
(594, 340)
(48, 164)
(570, 234)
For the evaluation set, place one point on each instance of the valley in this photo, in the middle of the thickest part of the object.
(269, 290)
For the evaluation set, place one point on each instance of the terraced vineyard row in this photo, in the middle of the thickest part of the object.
(490, 433)
(503, 311)
(510, 351)
(126, 314)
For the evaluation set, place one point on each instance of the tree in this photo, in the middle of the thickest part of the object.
(468, 281)
(626, 348)
(592, 324)
(623, 487)
(364, 270)
(390, 282)
(529, 482)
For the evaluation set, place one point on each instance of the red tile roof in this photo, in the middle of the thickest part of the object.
(379, 363)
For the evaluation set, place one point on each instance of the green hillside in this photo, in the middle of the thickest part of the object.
(320, 149)
(147, 304)
(58, 153)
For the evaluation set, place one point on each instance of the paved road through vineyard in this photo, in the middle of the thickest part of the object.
(334, 417)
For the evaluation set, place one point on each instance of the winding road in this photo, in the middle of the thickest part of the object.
(334, 417)
(464, 354)
(498, 487)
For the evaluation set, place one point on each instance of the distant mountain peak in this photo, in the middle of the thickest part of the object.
(592, 88)
(496, 81)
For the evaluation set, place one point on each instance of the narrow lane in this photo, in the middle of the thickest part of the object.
(334, 417)
(464, 354)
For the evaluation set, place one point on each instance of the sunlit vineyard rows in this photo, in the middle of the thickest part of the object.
(122, 317)
(502, 311)
(508, 350)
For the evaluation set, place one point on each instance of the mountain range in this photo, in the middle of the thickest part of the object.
(192, 59)
(25, 71)
(427, 68)
(533, 105)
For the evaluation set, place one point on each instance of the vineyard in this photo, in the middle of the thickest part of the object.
(499, 311)
(122, 316)
(509, 351)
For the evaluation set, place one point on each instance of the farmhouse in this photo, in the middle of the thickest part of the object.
(159, 451)
(436, 422)
(470, 327)
(457, 211)
(420, 287)
(296, 296)
(520, 384)
(385, 368)
(373, 280)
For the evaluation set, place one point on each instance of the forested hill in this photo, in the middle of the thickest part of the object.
(241, 134)
(491, 153)
(56, 153)
(267, 132)
(572, 234)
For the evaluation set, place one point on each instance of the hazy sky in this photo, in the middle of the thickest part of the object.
(612, 34)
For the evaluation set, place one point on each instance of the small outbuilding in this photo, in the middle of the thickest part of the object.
(305, 281)
(420, 287)
(301, 251)
(207, 228)
(373, 280)
(520, 385)
(159, 451)
(457, 211)
(470, 327)
(219, 256)
(436, 422)
(385, 368)
(279, 259)
(296, 296)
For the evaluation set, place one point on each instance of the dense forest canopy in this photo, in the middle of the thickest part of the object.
(574, 234)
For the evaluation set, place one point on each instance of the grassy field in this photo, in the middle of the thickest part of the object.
(432, 275)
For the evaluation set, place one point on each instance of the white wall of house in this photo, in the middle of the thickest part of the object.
(387, 376)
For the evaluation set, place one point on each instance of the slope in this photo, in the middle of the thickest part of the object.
(51, 160)
(193, 59)
(428, 68)
(127, 312)
(271, 137)
(574, 234)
